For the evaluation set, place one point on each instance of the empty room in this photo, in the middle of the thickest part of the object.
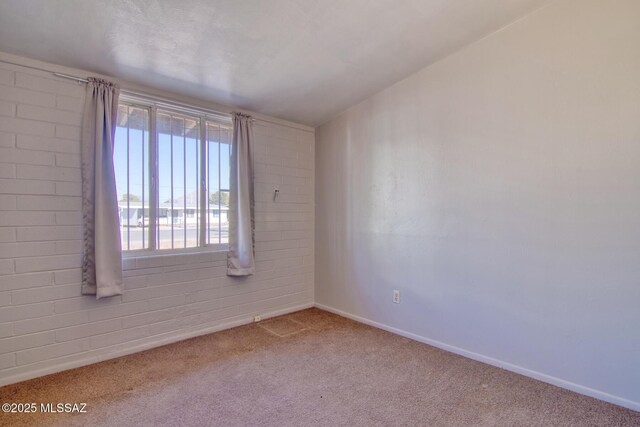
(320, 213)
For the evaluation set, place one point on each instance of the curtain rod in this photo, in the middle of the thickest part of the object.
(152, 98)
(81, 80)
(67, 76)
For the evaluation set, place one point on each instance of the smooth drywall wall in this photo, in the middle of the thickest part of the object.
(45, 324)
(499, 191)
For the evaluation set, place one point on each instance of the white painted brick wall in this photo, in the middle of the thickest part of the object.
(46, 324)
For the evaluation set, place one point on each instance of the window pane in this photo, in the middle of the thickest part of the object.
(218, 138)
(131, 166)
(213, 182)
(178, 170)
(224, 220)
(192, 168)
(225, 157)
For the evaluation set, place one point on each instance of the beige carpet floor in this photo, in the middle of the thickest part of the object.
(309, 368)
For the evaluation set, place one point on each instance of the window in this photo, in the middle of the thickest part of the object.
(172, 177)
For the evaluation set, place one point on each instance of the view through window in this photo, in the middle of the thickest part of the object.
(172, 180)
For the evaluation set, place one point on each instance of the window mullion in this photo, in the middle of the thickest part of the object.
(204, 196)
(128, 181)
(153, 180)
(171, 189)
(143, 188)
(184, 180)
(219, 190)
(208, 190)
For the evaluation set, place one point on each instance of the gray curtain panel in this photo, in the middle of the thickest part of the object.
(240, 259)
(102, 257)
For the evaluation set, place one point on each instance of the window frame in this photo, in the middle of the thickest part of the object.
(203, 116)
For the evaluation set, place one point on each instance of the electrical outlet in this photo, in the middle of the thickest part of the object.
(396, 296)
(257, 318)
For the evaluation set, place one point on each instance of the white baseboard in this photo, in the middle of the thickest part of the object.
(597, 394)
(180, 335)
(83, 360)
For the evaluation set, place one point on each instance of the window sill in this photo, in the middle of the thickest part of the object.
(143, 253)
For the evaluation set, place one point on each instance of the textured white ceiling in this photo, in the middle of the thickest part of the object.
(301, 60)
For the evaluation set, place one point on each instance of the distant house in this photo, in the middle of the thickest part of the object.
(183, 211)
